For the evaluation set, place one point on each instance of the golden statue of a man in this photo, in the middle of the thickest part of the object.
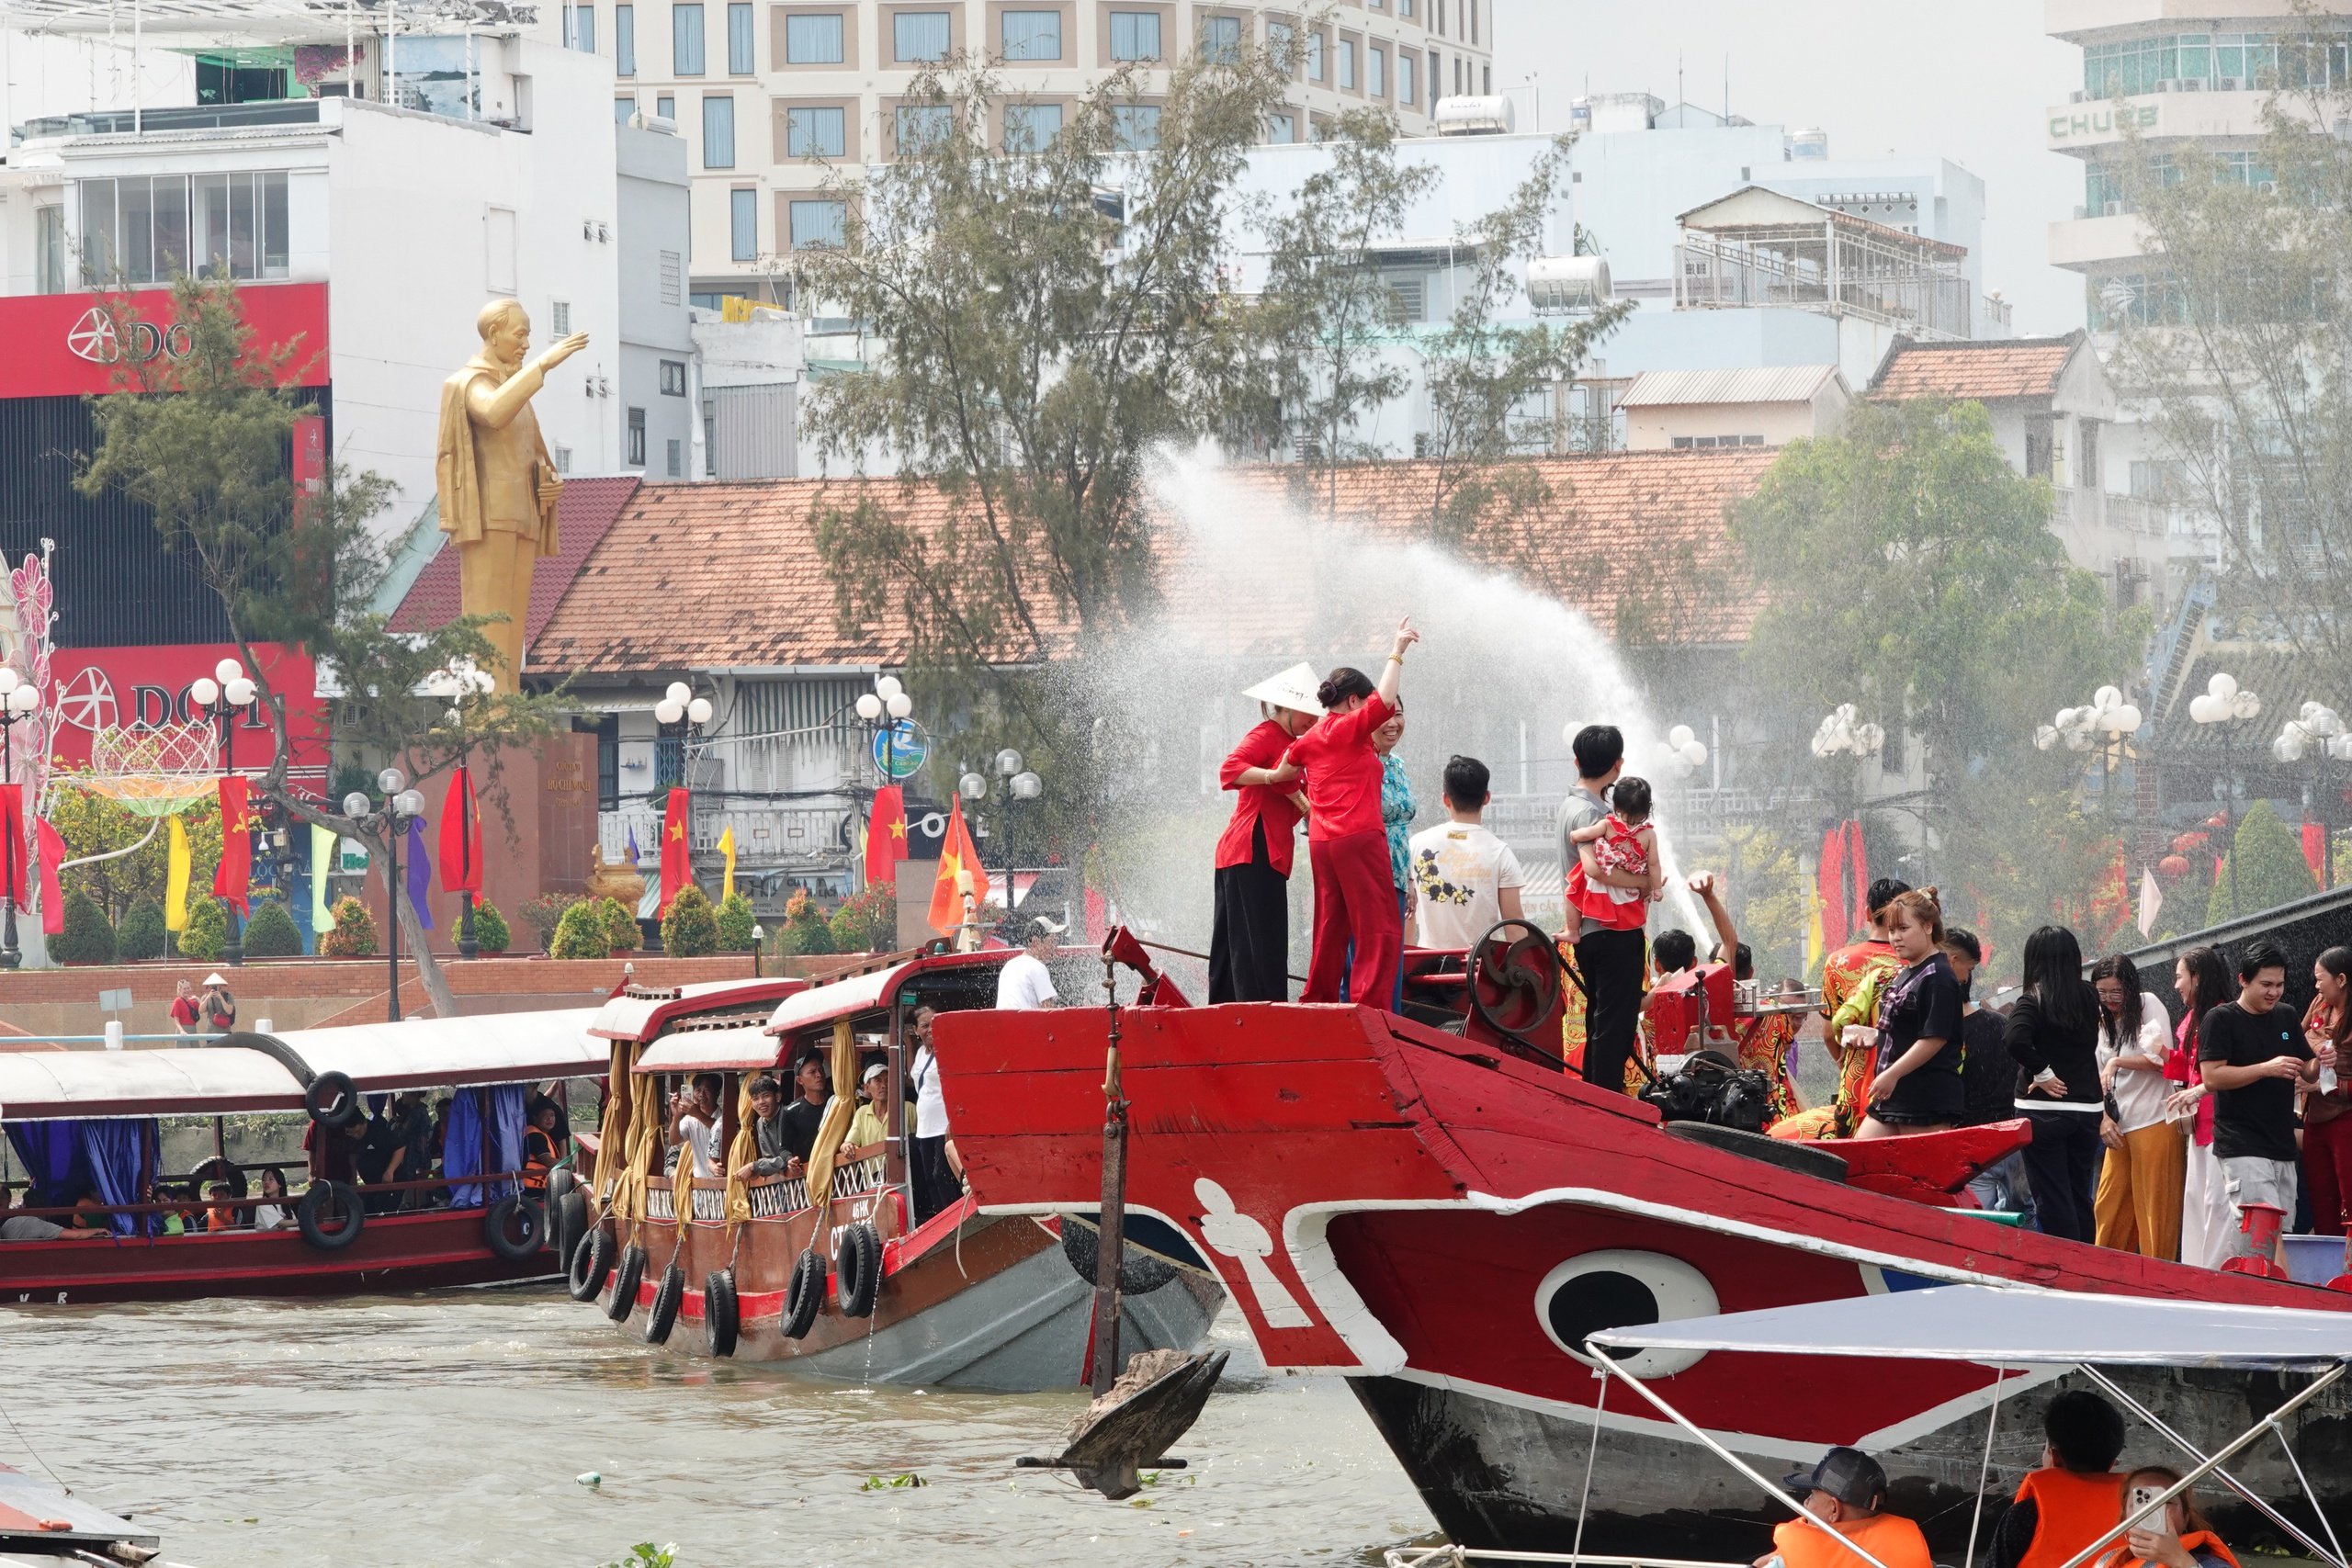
(497, 486)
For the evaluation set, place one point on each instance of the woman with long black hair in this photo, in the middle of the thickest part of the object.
(2138, 1206)
(2054, 1035)
(2206, 1219)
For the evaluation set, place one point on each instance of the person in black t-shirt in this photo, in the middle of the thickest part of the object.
(2053, 1037)
(806, 1113)
(1917, 1087)
(2252, 1057)
(1988, 1079)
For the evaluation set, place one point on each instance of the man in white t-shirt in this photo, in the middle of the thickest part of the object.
(1024, 984)
(1464, 878)
(697, 1123)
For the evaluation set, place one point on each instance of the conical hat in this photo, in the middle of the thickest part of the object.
(1294, 689)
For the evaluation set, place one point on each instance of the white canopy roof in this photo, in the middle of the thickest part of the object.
(744, 1048)
(216, 1079)
(626, 1016)
(2023, 1327)
(833, 999)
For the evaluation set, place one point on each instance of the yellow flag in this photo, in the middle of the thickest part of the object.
(727, 848)
(175, 880)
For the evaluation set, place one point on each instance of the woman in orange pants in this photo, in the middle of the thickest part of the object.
(1347, 841)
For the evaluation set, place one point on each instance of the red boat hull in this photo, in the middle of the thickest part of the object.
(392, 1253)
(1441, 1221)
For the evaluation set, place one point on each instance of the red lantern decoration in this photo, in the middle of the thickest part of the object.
(2189, 843)
(2173, 867)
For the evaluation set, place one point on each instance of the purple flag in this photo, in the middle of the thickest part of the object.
(420, 872)
(632, 843)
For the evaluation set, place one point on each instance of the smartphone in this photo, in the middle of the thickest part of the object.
(2139, 1497)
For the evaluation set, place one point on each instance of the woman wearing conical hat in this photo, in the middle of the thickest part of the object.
(1250, 947)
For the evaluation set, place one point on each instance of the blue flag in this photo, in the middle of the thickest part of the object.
(420, 872)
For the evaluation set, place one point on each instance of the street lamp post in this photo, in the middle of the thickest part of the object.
(19, 701)
(223, 694)
(1020, 784)
(2103, 722)
(2318, 733)
(401, 805)
(2225, 704)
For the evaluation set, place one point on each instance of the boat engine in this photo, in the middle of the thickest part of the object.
(1691, 1016)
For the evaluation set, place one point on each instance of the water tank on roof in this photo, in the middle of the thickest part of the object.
(1472, 115)
(1809, 144)
(1568, 282)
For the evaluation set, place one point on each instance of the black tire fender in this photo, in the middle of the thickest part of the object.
(857, 1270)
(1798, 1158)
(332, 1099)
(663, 1315)
(591, 1264)
(804, 1297)
(722, 1315)
(625, 1278)
(515, 1228)
(310, 1215)
(566, 1223)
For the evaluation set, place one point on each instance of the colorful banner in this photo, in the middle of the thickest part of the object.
(53, 897)
(234, 877)
(323, 855)
(14, 885)
(727, 848)
(886, 836)
(460, 836)
(677, 853)
(960, 871)
(177, 868)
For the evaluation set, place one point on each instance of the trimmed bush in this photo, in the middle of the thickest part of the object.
(354, 935)
(804, 930)
(622, 934)
(2271, 868)
(208, 929)
(491, 933)
(87, 937)
(543, 913)
(868, 922)
(736, 923)
(580, 933)
(272, 933)
(690, 929)
(141, 935)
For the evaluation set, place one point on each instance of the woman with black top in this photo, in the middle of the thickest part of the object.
(1917, 1087)
(2054, 1035)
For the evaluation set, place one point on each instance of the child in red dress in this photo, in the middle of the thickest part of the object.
(1624, 845)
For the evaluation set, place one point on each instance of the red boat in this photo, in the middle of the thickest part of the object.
(1442, 1215)
(839, 1284)
(83, 1124)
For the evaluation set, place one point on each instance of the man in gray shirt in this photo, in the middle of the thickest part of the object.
(32, 1227)
(1609, 960)
(770, 1156)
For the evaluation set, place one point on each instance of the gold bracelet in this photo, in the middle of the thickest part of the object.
(1396, 659)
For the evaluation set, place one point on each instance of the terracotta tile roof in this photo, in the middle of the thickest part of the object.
(587, 510)
(726, 576)
(1977, 372)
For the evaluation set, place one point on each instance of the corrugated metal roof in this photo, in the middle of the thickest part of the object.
(1757, 384)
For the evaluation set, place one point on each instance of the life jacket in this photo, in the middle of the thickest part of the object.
(2193, 1542)
(2071, 1511)
(221, 1217)
(1892, 1539)
(538, 1158)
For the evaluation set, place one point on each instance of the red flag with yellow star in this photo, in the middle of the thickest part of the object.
(677, 861)
(234, 873)
(959, 865)
(886, 836)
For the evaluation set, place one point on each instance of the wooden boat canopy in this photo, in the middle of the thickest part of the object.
(638, 1013)
(861, 993)
(738, 1048)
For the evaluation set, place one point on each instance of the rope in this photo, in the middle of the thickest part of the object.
(1984, 1469)
(25, 1443)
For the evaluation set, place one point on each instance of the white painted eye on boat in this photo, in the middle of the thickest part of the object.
(1618, 1287)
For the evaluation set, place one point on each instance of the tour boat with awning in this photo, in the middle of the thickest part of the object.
(1442, 1215)
(83, 1129)
(830, 1271)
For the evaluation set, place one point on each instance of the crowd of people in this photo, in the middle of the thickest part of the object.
(2150, 1131)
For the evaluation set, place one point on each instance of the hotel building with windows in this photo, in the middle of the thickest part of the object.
(773, 95)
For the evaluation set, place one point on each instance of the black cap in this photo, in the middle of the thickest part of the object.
(1847, 1474)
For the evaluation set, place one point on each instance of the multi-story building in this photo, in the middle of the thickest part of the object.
(774, 99)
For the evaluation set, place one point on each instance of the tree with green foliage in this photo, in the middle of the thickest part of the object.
(208, 463)
(272, 933)
(622, 934)
(736, 924)
(868, 921)
(353, 935)
(1905, 568)
(206, 935)
(2269, 869)
(690, 929)
(491, 933)
(141, 935)
(87, 938)
(581, 932)
(543, 913)
(92, 825)
(806, 931)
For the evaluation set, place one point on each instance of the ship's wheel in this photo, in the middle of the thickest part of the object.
(1514, 977)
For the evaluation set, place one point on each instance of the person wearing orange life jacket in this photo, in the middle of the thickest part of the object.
(2180, 1537)
(1846, 1490)
(541, 1152)
(2070, 1502)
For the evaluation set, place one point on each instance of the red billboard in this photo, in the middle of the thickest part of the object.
(141, 688)
(65, 344)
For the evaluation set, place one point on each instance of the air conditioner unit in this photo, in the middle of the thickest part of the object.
(2226, 85)
(2193, 84)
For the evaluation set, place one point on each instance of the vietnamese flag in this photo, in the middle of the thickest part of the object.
(1858, 868)
(886, 836)
(234, 873)
(52, 895)
(12, 884)
(677, 859)
(959, 867)
(1829, 889)
(460, 836)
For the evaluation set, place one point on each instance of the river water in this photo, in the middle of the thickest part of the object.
(449, 1430)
